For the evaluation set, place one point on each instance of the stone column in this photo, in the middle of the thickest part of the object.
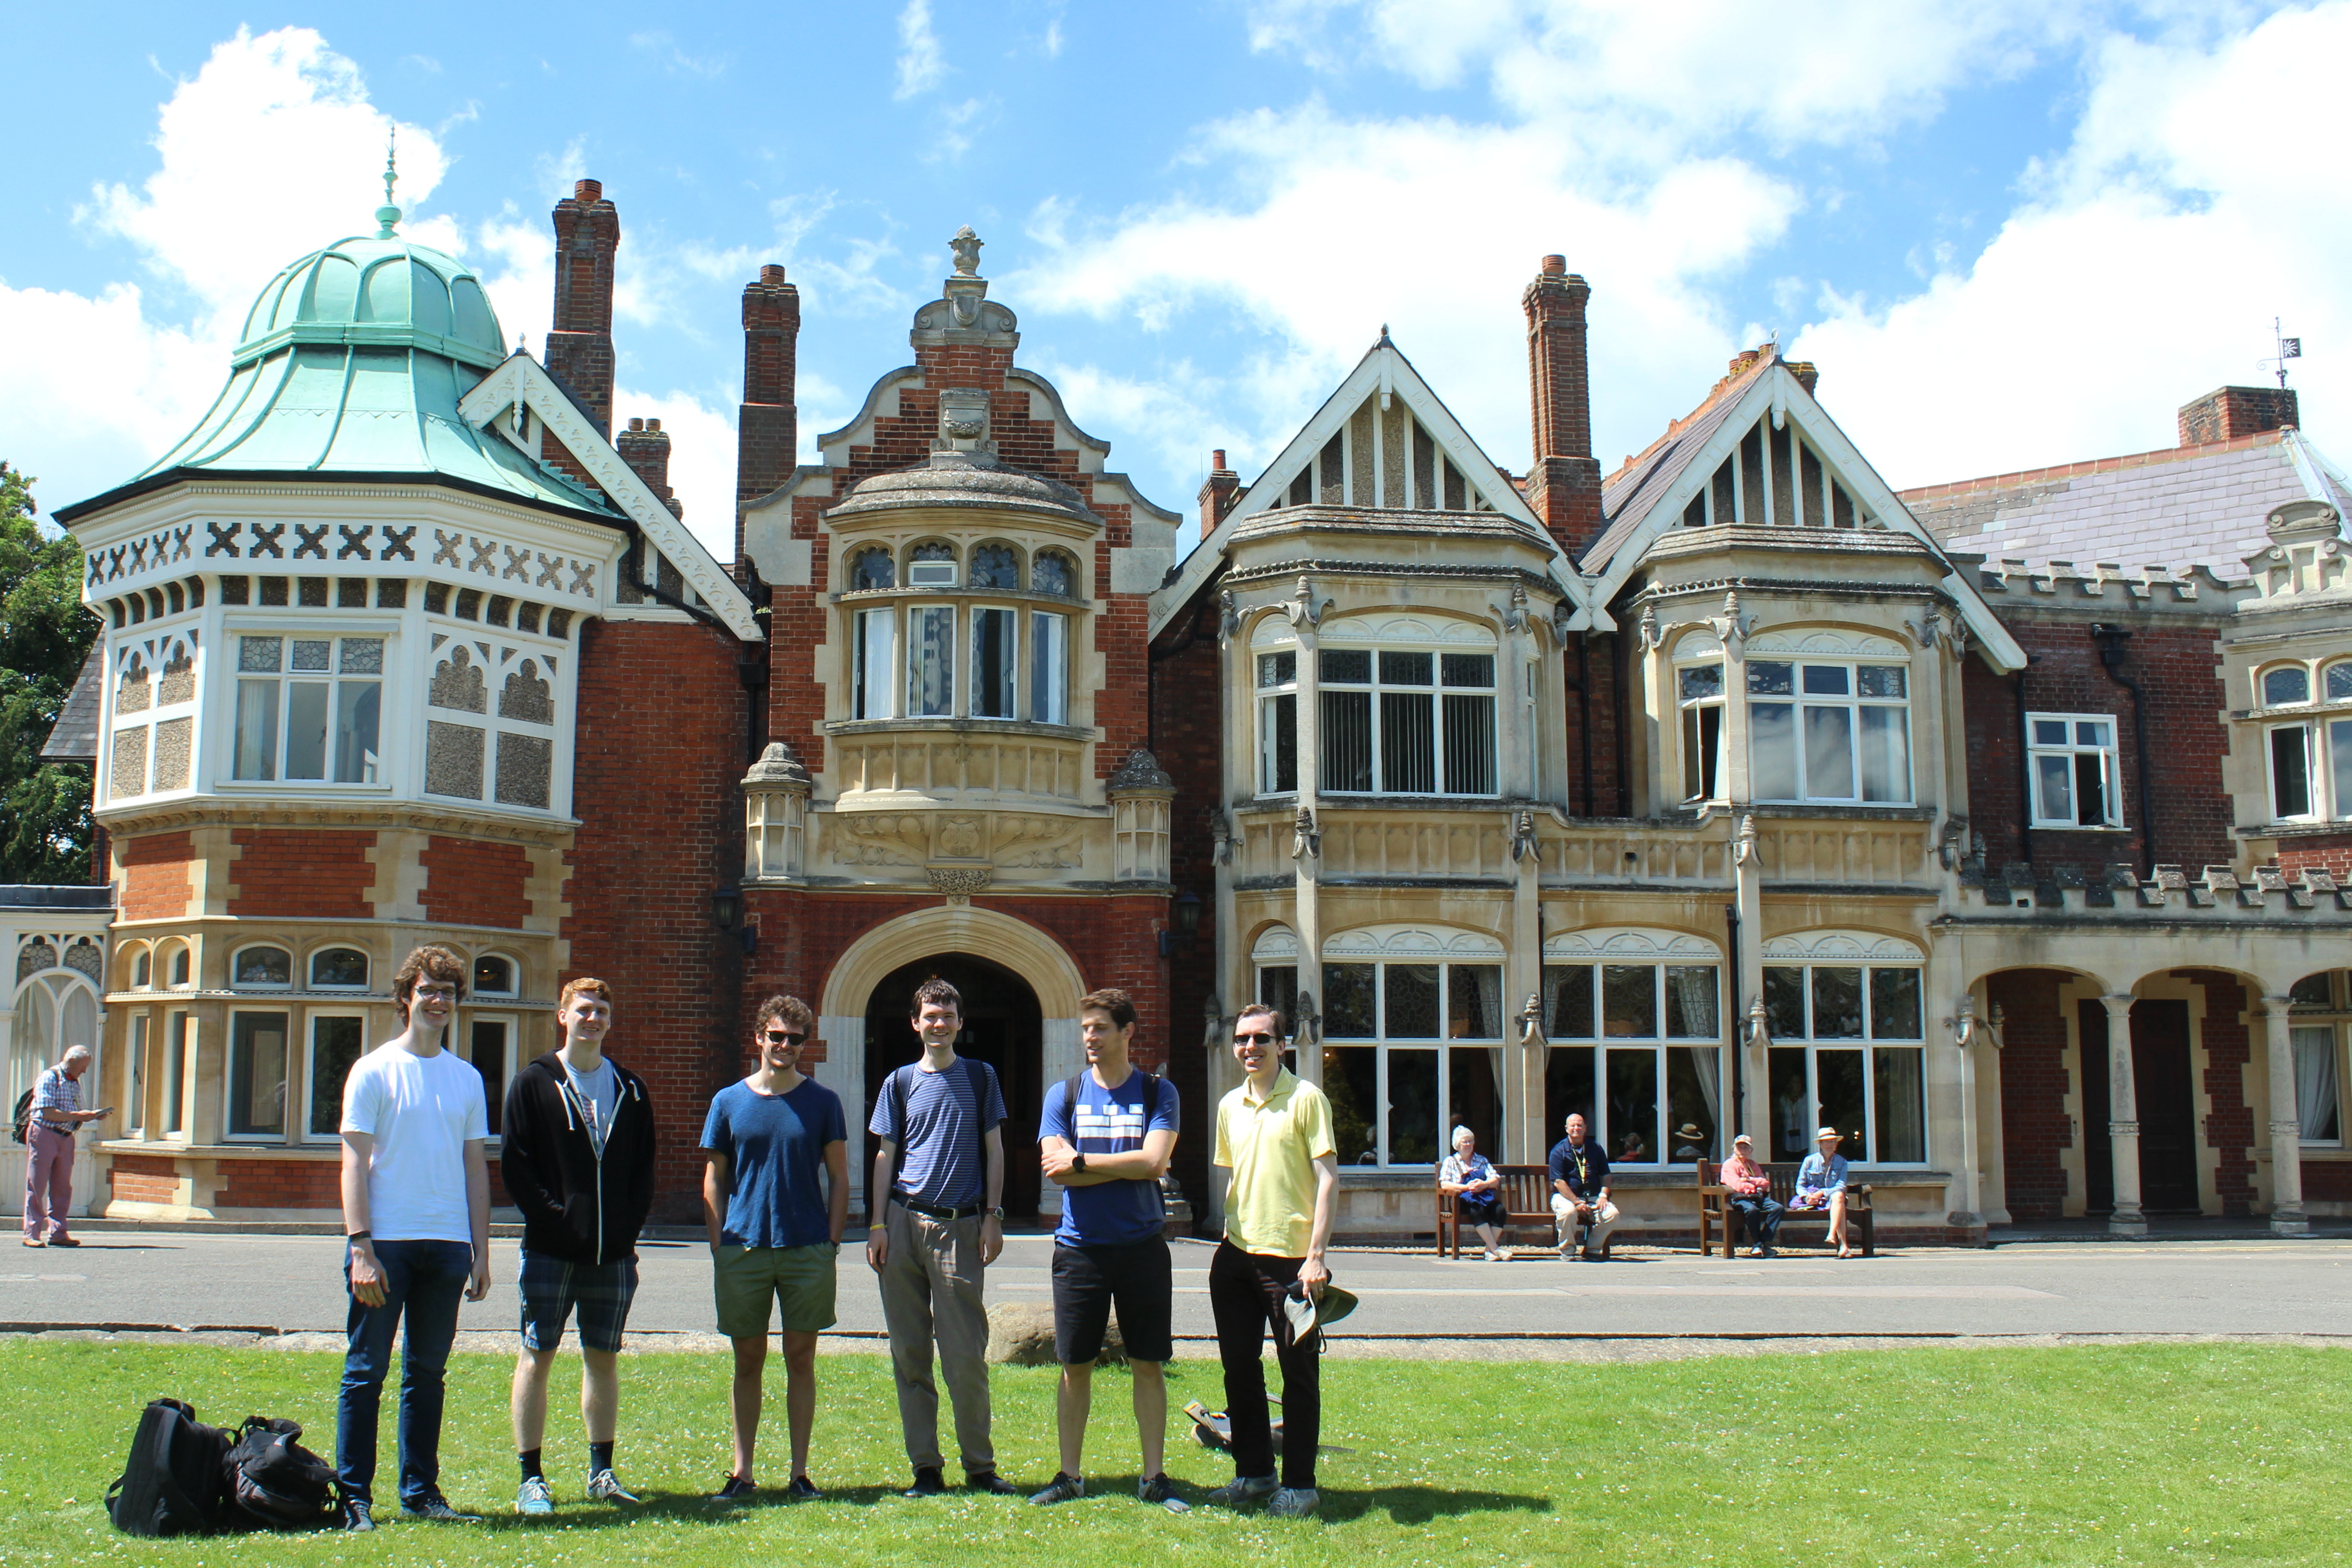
(1306, 613)
(2286, 1124)
(2123, 1117)
(1522, 1086)
(1755, 1116)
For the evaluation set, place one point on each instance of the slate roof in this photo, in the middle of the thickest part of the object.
(2174, 509)
(1628, 495)
(74, 737)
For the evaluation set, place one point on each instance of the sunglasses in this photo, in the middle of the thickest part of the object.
(1259, 1039)
(784, 1037)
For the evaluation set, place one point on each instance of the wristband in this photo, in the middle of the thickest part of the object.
(361, 1236)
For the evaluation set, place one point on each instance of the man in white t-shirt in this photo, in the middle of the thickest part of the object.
(416, 1213)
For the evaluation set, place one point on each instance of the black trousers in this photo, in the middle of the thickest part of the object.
(1759, 1217)
(1246, 1291)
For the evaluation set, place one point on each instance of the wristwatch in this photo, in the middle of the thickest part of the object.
(996, 1213)
(1079, 1160)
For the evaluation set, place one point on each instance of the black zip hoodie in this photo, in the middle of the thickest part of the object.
(575, 1206)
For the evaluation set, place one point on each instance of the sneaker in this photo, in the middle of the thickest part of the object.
(990, 1481)
(534, 1499)
(1488, 1257)
(434, 1507)
(929, 1482)
(1064, 1488)
(1507, 1253)
(803, 1489)
(64, 1241)
(1294, 1503)
(36, 1241)
(356, 1515)
(1159, 1489)
(736, 1490)
(1244, 1489)
(606, 1487)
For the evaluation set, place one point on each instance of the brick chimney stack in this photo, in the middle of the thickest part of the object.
(644, 446)
(1218, 496)
(1564, 480)
(580, 339)
(767, 432)
(2228, 412)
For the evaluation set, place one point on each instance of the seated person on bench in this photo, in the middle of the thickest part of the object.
(1580, 1191)
(1821, 1185)
(1470, 1181)
(1749, 1187)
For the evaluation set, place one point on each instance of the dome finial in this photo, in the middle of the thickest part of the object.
(388, 214)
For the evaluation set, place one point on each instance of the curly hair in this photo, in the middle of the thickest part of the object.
(936, 992)
(1110, 1000)
(791, 1009)
(430, 961)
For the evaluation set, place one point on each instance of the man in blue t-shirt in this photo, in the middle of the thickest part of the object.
(937, 1224)
(1106, 1153)
(774, 1230)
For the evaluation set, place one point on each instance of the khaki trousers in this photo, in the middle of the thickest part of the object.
(931, 1293)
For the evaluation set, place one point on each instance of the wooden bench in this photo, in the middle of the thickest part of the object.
(1716, 1213)
(1525, 1192)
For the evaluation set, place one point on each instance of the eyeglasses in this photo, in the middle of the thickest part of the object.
(443, 991)
(784, 1038)
(1257, 1039)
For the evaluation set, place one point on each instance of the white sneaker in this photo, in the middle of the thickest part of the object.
(534, 1499)
(1294, 1503)
(1507, 1253)
(1490, 1256)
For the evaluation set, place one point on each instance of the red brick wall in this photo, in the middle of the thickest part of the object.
(2034, 1082)
(2174, 665)
(1188, 737)
(278, 1185)
(2327, 854)
(144, 1179)
(2326, 1181)
(477, 882)
(661, 728)
(307, 873)
(1606, 795)
(155, 884)
(2229, 1127)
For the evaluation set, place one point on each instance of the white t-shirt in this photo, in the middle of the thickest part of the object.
(421, 1111)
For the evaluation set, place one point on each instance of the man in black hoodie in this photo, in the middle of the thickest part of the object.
(578, 1159)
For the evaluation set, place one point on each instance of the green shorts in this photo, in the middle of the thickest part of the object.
(799, 1279)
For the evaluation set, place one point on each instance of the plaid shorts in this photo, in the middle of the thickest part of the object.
(551, 1288)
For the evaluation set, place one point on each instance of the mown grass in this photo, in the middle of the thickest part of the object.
(2227, 1454)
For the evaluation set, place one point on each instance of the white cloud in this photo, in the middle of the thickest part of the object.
(922, 64)
(702, 458)
(2143, 270)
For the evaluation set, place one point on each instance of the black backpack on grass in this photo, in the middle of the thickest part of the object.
(172, 1483)
(273, 1482)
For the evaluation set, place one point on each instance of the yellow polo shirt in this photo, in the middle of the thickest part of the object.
(1271, 1146)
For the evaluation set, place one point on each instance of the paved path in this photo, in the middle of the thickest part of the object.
(2250, 1286)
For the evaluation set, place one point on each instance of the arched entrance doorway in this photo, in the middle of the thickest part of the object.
(1002, 1026)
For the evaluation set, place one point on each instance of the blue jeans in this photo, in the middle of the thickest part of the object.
(426, 1280)
(1762, 1219)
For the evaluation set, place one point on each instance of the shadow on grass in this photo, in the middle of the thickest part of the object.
(1419, 1505)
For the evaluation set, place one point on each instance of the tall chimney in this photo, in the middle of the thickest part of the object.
(644, 446)
(1218, 496)
(580, 338)
(767, 432)
(1564, 481)
(2228, 412)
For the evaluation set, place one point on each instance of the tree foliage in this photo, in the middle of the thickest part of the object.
(46, 829)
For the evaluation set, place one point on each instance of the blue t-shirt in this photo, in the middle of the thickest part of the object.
(775, 1145)
(1110, 1121)
(940, 1160)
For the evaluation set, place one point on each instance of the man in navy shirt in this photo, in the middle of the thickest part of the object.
(1580, 1191)
(1106, 1148)
(774, 1230)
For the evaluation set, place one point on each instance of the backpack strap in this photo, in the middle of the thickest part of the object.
(976, 1076)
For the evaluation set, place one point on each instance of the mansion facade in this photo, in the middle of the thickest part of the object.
(1730, 790)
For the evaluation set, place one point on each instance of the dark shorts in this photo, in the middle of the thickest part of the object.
(1481, 1208)
(551, 1289)
(1139, 1278)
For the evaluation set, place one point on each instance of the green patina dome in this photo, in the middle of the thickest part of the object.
(379, 291)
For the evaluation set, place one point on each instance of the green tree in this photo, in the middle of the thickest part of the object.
(46, 828)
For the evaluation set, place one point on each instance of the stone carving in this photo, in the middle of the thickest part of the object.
(886, 838)
(527, 696)
(1306, 838)
(453, 758)
(457, 685)
(1304, 613)
(1743, 842)
(1523, 835)
(1952, 844)
(964, 880)
(1141, 772)
(526, 765)
(963, 418)
(1220, 833)
(1531, 1032)
(966, 246)
(1514, 614)
(1651, 633)
(1229, 617)
(1732, 627)
(1034, 843)
(778, 768)
(957, 839)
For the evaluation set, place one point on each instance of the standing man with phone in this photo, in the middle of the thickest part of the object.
(938, 1175)
(417, 1218)
(1274, 1134)
(55, 1115)
(577, 1154)
(775, 1231)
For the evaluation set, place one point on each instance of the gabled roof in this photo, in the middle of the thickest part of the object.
(2177, 508)
(1628, 495)
(74, 737)
(522, 380)
(1383, 373)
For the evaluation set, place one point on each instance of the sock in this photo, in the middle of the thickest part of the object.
(530, 1463)
(600, 1456)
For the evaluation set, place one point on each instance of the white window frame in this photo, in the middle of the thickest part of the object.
(338, 682)
(1009, 681)
(2332, 1019)
(1868, 1043)
(1659, 1137)
(1691, 725)
(2263, 683)
(873, 662)
(514, 975)
(2110, 757)
(310, 968)
(1852, 702)
(511, 1043)
(1049, 667)
(1270, 695)
(138, 1037)
(315, 1016)
(284, 1134)
(918, 666)
(1377, 691)
(179, 1052)
(264, 987)
(1382, 1043)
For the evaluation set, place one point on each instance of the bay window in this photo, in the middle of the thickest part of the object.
(336, 1042)
(1407, 721)
(256, 1076)
(1848, 1051)
(2310, 770)
(1049, 667)
(873, 652)
(994, 645)
(1397, 1065)
(2073, 761)
(1636, 1050)
(1698, 691)
(1277, 722)
(308, 709)
(1829, 732)
(2322, 1014)
(930, 661)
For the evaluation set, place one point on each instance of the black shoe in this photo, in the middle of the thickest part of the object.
(1064, 1488)
(736, 1490)
(929, 1482)
(436, 1506)
(990, 1481)
(803, 1489)
(356, 1515)
(1159, 1489)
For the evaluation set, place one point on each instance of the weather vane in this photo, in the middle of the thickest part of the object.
(388, 214)
(2288, 347)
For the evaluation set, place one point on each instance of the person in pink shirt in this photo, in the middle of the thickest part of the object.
(1751, 1186)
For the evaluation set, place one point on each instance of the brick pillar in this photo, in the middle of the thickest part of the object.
(1564, 480)
(767, 432)
(2227, 413)
(1218, 496)
(644, 446)
(580, 337)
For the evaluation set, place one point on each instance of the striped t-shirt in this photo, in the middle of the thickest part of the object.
(940, 1160)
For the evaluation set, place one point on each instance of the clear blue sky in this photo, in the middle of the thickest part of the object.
(2011, 235)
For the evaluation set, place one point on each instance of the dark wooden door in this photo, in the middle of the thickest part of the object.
(2168, 1105)
(2098, 1144)
(1003, 1026)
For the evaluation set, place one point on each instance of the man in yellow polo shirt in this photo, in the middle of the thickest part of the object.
(1275, 1134)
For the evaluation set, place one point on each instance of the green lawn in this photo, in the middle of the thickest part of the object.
(2132, 1454)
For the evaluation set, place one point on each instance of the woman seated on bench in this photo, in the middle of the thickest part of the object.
(1470, 1181)
(1749, 1186)
(1821, 1183)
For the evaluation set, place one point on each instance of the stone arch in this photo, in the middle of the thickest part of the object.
(1024, 949)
